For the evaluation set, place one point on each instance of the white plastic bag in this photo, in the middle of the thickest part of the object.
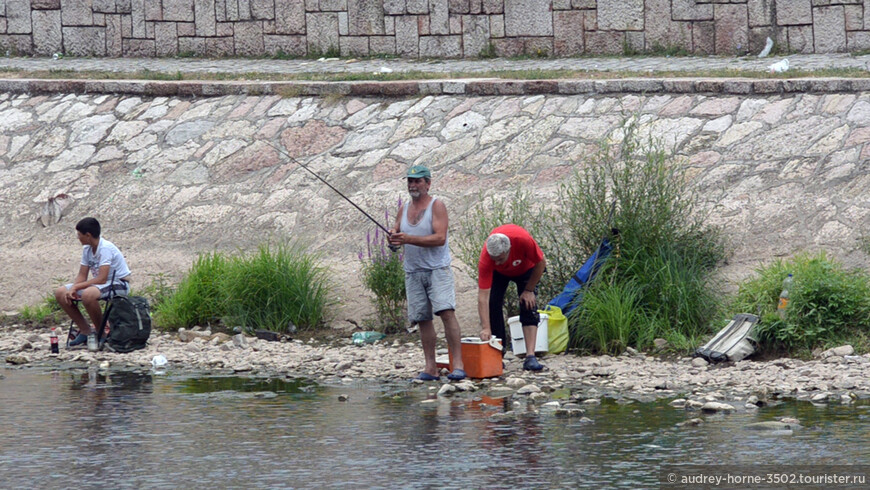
(779, 66)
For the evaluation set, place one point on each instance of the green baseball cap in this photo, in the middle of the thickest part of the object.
(418, 171)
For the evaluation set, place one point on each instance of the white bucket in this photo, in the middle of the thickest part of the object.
(518, 342)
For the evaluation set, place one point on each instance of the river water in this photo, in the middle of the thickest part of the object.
(122, 429)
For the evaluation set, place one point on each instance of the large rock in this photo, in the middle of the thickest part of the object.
(365, 18)
(567, 33)
(475, 34)
(84, 41)
(248, 39)
(717, 407)
(441, 46)
(18, 17)
(528, 389)
(47, 37)
(689, 10)
(178, 10)
(732, 31)
(17, 359)
(794, 12)
(407, 36)
(322, 32)
(185, 132)
(528, 18)
(620, 15)
(772, 426)
(843, 350)
(829, 29)
(204, 18)
(290, 17)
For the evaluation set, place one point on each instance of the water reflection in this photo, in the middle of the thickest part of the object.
(247, 432)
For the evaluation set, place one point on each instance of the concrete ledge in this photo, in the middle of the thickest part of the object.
(411, 88)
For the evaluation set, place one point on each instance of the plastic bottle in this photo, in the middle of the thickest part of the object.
(53, 339)
(783, 296)
(360, 338)
(92, 342)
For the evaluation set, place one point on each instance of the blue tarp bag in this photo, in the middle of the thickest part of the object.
(571, 295)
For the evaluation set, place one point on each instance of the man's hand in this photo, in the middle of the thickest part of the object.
(485, 334)
(397, 238)
(528, 300)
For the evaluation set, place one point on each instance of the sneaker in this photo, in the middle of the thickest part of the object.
(79, 340)
(531, 364)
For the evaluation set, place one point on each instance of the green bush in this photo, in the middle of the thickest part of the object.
(611, 316)
(157, 291)
(277, 285)
(46, 311)
(828, 304)
(199, 299)
(267, 289)
(384, 276)
(664, 255)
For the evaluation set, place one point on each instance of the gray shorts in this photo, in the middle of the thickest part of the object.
(120, 288)
(429, 291)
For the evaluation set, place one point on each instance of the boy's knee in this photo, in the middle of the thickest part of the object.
(60, 293)
(90, 295)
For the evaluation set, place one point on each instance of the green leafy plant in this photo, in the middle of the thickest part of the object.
(269, 289)
(384, 275)
(199, 298)
(157, 291)
(611, 316)
(46, 311)
(276, 286)
(828, 304)
(664, 254)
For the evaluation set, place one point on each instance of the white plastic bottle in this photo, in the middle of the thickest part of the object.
(92, 342)
(783, 296)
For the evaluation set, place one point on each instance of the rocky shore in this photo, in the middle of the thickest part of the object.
(834, 376)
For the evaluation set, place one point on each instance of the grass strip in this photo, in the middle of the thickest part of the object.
(536, 74)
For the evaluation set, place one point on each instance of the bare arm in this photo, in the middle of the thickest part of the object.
(528, 296)
(82, 276)
(396, 227)
(483, 312)
(83, 282)
(439, 228)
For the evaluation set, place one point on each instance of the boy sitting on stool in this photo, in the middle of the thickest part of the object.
(103, 259)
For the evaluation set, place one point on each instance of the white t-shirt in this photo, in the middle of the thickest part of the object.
(107, 254)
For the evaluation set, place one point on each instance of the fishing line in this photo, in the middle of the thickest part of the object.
(312, 172)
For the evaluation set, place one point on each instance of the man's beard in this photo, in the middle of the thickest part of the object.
(414, 194)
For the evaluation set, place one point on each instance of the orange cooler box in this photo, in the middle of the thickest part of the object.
(481, 358)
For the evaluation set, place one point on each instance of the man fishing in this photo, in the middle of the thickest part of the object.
(421, 226)
(510, 254)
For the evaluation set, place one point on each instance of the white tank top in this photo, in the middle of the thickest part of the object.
(423, 258)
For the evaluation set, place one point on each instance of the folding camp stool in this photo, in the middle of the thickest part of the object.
(103, 328)
(73, 331)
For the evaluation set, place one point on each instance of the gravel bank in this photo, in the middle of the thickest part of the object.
(836, 376)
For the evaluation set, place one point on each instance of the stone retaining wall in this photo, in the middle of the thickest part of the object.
(428, 28)
(174, 176)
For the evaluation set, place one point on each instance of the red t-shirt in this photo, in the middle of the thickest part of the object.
(524, 255)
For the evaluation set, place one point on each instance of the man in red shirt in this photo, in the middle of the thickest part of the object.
(510, 254)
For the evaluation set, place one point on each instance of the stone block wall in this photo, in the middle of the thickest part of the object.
(428, 28)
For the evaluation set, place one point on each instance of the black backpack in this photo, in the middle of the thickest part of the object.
(129, 322)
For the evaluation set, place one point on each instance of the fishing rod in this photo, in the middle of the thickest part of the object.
(312, 172)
